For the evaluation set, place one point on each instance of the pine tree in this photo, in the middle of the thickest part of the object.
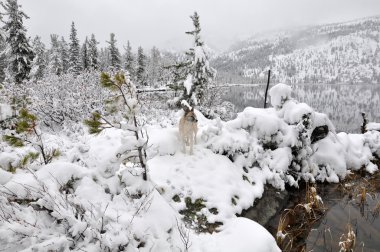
(155, 69)
(74, 52)
(114, 53)
(85, 55)
(129, 60)
(104, 59)
(127, 108)
(55, 56)
(27, 132)
(3, 58)
(93, 52)
(20, 54)
(64, 51)
(200, 74)
(178, 74)
(140, 71)
(39, 61)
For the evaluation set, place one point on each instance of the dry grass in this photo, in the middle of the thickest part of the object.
(376, 210)
(348, 240)
(295, 224)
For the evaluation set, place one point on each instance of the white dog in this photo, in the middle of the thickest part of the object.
(188, 127)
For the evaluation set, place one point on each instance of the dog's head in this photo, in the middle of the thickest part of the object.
(190, 116)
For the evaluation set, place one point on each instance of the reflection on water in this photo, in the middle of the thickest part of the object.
(364, 219)
(343, 207)
(342, 103)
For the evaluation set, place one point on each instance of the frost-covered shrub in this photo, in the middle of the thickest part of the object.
(279, 94)
(27, 132)
(278, 141)
(62, 207)
(122, 112)
(58, 100)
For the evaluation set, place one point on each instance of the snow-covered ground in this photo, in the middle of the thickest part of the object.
(89, 200)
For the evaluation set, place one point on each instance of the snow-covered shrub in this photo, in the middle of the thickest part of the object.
(278, 140)
(27, 132)
(213, 105)
(279, 94)
(59, 100)
(122, 112)
(62, 207)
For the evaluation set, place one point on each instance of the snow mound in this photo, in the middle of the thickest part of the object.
(279, 94)
(373, 126)
(243, 235)
(5, 111)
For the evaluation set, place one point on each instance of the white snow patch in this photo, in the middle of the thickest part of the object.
(188, 83)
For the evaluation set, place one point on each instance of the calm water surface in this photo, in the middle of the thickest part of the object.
(343, 103)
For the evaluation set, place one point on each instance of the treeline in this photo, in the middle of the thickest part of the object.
(23, 58)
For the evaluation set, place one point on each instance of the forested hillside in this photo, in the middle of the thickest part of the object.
(335, 53)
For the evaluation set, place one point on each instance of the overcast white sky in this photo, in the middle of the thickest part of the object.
(163, 22)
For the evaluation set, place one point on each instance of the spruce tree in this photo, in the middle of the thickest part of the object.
(3, 58)
(93, 52)
(129, 60)
(114, 53)
(200, 74)
(140, 71)
(104, 59)
(74, 52)
(155, 69)
(64, 52)
(55, 59)
(20, 54)
(85, 55)
(39, 61)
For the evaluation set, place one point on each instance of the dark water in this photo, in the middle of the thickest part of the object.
(343, 103)
(343, 207)
(342, 210)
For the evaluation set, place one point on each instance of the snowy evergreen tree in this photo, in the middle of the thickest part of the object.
(85, 55)
(39, 62)
(64, 51)
(154, 68)
(200, 74)
(55, 56)
(93, 52)
(178, 74)
(141, 64)
(114, 52)
(129, 61)
(74, 51)
(104, 59)
(125, 106)
(19, 52)
(3, 59)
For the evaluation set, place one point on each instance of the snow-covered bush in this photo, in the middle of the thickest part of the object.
(292, 141)
(64, 207)
(27, 132)
(122, 112)
(59, 100)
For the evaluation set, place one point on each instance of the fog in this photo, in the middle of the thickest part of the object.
(163, 22)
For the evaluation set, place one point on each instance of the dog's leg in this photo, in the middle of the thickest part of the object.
(183, 144)
(191, 145)
(195, 134)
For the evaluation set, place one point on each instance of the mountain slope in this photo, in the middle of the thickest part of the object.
(335, 53)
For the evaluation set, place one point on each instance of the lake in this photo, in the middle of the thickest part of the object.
(343, 103)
